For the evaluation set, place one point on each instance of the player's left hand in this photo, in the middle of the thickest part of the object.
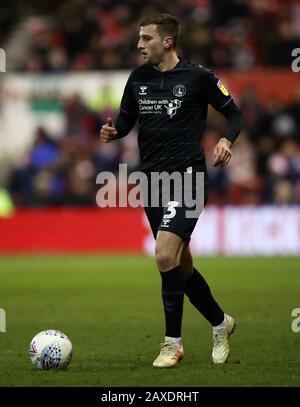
(222, 152)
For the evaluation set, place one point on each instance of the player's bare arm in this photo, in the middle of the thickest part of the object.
(108, 131)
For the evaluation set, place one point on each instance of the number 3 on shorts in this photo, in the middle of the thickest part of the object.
(171, 208)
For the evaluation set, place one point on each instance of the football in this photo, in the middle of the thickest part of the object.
(50, 350)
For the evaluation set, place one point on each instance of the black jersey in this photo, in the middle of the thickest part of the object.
(171, 108)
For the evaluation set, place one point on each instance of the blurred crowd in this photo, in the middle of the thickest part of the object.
(79, 35)
(265, 167)
(85, 35)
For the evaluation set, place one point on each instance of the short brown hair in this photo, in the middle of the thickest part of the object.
(166, 25)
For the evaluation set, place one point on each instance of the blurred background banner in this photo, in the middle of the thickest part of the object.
(232, 230)
(66, 67)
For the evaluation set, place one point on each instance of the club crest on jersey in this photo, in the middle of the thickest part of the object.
(143, 89)
(172, 107)
(179, 90)
(222, 88)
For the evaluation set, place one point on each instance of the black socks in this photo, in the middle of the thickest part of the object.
(196, 288)
(173, 293)
(198, 291)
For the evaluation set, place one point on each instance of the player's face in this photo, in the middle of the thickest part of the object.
(151, 45)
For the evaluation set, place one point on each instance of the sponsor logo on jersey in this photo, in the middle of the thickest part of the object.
(179, 90)
(159, 105)
(172, 107)
(222, 88)
(143, 89)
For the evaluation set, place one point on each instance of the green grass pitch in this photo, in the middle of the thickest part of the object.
(111, 309)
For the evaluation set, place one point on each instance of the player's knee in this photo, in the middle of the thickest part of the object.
(165, 260)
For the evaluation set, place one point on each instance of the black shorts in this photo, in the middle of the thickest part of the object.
(175, 215)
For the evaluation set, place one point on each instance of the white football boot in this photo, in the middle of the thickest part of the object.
(170, 354)
(221, 337)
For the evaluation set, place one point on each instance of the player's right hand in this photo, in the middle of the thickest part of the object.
(108, 131)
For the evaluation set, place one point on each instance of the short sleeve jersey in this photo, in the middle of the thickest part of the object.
(171, 108)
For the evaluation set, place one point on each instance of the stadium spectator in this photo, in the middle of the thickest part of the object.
(87, 35)
(269, 149)
(53, 36)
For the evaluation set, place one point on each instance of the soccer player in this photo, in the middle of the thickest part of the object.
(169, 97)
